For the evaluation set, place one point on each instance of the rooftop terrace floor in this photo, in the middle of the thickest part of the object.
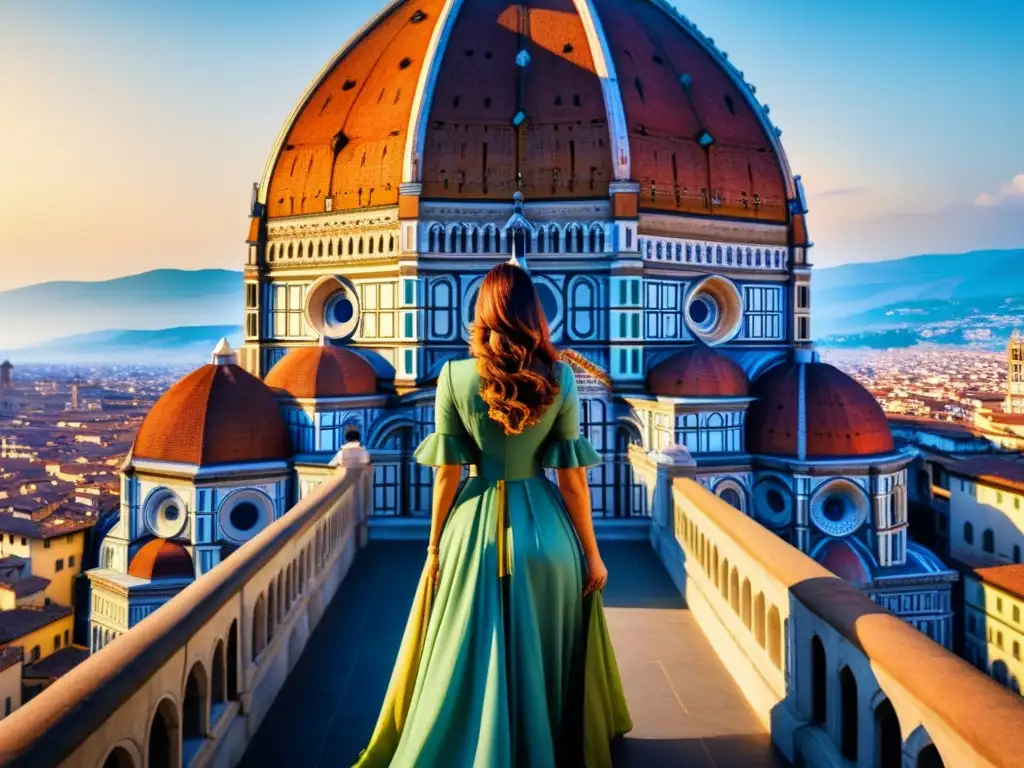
(687, 710)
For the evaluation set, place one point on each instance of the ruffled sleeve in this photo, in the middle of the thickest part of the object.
(450, 443)
(565, 447)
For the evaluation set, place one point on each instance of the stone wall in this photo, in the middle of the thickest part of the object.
(196, 678)
(838, 680)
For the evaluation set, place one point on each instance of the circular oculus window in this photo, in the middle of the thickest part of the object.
(839, 509)
(243, 515)
(773, 504)
(165, 514)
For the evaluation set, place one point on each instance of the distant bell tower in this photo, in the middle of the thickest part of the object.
(1015, 374)
(75, 386)
(6, 373)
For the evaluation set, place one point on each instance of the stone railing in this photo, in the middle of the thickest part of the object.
(837, 679)
(192, 682)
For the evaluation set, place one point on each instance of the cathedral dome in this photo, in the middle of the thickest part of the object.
(481, 99)
(162, 559)
(218, 414)
(322, 371)
(840, 418)
(698, 371)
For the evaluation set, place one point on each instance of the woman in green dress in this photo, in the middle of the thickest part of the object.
(506, 660)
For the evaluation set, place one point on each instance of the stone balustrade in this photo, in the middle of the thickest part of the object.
(838, 680)
(191, 683)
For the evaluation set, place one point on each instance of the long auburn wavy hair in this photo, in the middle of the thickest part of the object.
(512, 346)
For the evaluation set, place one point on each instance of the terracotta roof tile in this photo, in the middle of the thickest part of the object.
(322, 371)
(1009, 578)
(666, 119)
(842, 418)
(349, 138)
(698, 371)
(162, 559)
(214, 415)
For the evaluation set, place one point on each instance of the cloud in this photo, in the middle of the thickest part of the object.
(1011, 192)
(841, 192)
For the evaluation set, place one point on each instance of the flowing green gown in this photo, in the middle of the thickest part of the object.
(502, 671)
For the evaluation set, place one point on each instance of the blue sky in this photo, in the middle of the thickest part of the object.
(132, 132)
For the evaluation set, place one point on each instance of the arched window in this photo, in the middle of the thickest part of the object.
(848, 709)
(593, 241)
(232, 660)
(300, 250)
(553, 237)
(819, 682)
(371, 245)
(380, 244)
(474, 242)
(759, 633)
(351, 246)
(330, 247)
(119, 758)
(988, 541)
(734, 590)
(320, 249)
(259, 627)
(888, 741)
(714, 564)
(774, 632)
(746, 604)
(968, 533)
(723, 579)
(271, 612)
(577, 236)
(288, 588)
(196, 705)
(219, 687)
(541, 242)
(163, 737)
(732, 497)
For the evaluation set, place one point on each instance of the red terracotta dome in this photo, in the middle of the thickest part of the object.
(162, 559)
(218, 414)
(322, 371)
(842, 419)
(511, 99)
(840, 557)
(698, 371)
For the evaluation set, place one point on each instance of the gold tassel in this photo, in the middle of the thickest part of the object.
(504, 564)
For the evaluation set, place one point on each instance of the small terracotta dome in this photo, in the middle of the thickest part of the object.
(842, 419)
(322, 371)
(698, 371)
(162, 559)
(218, 414)
(840, 557)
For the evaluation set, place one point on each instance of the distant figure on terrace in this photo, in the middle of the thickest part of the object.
(506, 659)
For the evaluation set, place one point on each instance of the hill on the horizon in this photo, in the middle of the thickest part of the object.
(190, 345)
(163, 298)
(906, 293)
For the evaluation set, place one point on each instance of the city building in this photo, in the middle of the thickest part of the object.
(993, 629)
(1015, 374)
(11, 662)
(668, 241)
